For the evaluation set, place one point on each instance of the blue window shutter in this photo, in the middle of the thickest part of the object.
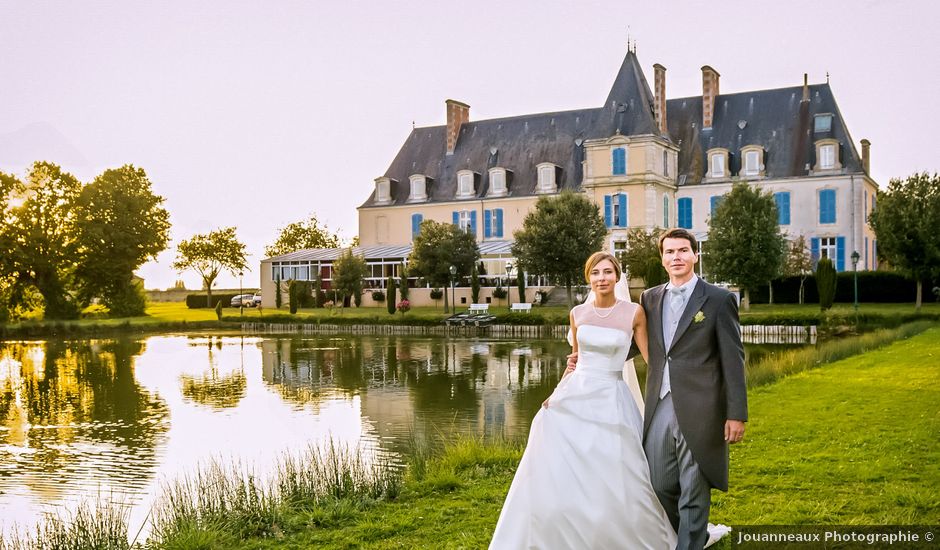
(685, 213)
(607, 210)
(814, 249)
(473, 222)
(715, 201)
(827, 206)
(783, 208)
(499, 222)
(456, 218)
(786, 208)
(840, 253)
(487, 223)
(620, 161)
(416, 220)
(623, 210)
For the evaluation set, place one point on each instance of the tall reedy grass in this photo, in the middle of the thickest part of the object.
(778, 365)
(102, 525)
(225, 502)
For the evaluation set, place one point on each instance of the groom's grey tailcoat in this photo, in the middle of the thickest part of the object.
(706, 373)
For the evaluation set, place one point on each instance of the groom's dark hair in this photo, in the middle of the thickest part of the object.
(678, 233)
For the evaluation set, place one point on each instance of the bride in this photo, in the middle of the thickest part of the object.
(583, 481)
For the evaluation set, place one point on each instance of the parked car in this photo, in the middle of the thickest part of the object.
(255, 300)
(242, 300)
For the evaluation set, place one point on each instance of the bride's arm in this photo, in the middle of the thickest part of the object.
(640, 335)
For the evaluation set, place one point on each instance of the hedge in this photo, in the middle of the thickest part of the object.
(196, 301)
(873, 287)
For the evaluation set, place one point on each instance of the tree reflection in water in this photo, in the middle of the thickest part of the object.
(72, 414)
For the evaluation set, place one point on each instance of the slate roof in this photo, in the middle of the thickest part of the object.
(775, 119)
(521, 143)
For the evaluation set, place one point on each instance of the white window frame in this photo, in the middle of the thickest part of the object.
(419, 189)
(465, 183)
(497, 176)
(665, 163)
(828, 248)
(383, 190)
(463, 221)
(615, 213)
(827, 156)
(619, 248)
(546, 175)
(719, 159)
(751, 162)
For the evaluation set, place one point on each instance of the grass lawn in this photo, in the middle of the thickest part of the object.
(853, 442)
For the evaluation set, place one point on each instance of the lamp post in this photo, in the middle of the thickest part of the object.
(855, 258)
(241, 298)
(509, 270)
(453, 292)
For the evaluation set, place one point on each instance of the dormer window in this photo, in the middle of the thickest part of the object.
(827, 155)
(383, 190)
(753, 157)
(718, 164)
(497, 182)
(419, 191)
(547, 183)
(465, 187)
(822, 123)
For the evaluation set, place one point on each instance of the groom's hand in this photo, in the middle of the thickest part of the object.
(734, 431)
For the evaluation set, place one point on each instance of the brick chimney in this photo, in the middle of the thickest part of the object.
(659, 103)
(866, 155)
(709, 94)
(457, 114)
(805, 88)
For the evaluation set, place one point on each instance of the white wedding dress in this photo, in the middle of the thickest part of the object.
(583, 481)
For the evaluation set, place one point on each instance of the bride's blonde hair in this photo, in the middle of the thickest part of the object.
(597, 258)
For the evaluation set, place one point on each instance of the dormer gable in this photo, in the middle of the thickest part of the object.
(418, 184)
(383, 190)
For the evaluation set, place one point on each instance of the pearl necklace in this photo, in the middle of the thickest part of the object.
(611, 308)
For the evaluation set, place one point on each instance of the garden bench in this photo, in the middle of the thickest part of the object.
(478, 309)
(521, 307)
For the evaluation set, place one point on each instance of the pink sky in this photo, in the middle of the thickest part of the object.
(257, 114)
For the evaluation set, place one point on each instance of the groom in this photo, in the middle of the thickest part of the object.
(696, 400)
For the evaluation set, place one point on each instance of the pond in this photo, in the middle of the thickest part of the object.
(87, 419)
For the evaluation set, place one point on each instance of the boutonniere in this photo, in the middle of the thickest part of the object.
(699, 317)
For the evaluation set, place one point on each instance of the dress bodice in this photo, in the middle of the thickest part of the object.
(604, 336)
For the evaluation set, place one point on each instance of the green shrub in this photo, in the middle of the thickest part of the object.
(390, 304)
(826, 281)
(436, 294)
(278, 289)
(475, 285)
(403, 283)
(378, 295)
(499, 292)
(520, 283)
(873, 287)
(292, 297)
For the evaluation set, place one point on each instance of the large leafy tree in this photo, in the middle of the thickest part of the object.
(208, 254)
(302, 235)
(439, 246)
(348, 272)
(39, 238)
(642, 258)
(745, 245)
(558, 236)
(906, 221)
(121, 224)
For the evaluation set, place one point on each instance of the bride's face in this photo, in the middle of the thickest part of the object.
(603, 278)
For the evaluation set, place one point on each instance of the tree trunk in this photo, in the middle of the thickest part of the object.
(208, 284)
(771, 287)
(920, 290)
(746, 300)
(568, 290)
(446, 309)
(802, 282)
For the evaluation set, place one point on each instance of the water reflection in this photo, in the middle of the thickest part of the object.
(82, 418)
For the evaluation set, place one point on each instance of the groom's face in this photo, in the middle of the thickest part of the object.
(678, 258)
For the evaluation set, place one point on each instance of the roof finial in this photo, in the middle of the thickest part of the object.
(827, 77)
(628, 38)
(412, 125)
